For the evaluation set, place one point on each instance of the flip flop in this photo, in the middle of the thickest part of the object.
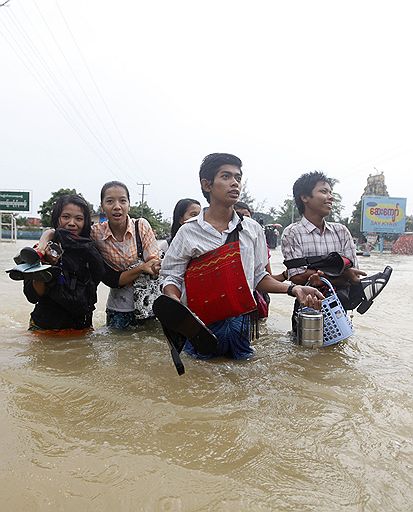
(372, 286)
(34, 272)
(176, 343)
(177, 318)
(27, 255)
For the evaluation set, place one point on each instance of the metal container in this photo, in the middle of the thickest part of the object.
(310, 328)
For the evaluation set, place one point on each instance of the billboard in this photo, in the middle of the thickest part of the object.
(380, 214)
(13, 201)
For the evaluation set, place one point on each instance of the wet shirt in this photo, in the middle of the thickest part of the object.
(303, 239)
(196, 237)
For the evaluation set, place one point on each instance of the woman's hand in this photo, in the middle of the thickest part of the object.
(151, 267)
(47, 236)
(52, 253)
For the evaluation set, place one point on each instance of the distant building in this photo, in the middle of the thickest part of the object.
(98, 217)
(34, 221)
(375, 186)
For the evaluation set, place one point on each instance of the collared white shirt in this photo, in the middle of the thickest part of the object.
(303, 239)
(196, 237)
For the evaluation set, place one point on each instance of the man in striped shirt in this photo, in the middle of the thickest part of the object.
(314, 236)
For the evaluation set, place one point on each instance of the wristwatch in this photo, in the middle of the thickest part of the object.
(290, 290)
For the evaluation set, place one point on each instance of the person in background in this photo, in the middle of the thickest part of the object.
(262, 298)
(184, 209)
(245, 210)
(130, 251)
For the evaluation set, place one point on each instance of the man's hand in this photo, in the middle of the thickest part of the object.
(308, 296)
(353, 275)
(315, 280)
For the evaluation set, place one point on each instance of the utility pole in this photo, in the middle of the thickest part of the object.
(143, 185)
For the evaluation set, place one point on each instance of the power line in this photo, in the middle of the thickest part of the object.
(27, 63)
(73, 112)
(98, 89)
(95, 135)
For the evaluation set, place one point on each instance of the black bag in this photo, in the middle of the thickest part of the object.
(81, 271)
(331, 264)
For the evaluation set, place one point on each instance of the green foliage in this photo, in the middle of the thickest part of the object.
(246, 196)
(46, 207)
(335, 215)
(409, 223)
(286, 214)
(161, 226)
(21, 221)
(355, 221)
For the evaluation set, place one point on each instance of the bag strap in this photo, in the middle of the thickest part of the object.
(302, 262)
(139, 246)
(234, 235)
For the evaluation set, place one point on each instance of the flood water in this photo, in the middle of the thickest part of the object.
(103, 422)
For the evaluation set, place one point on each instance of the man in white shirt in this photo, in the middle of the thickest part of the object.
(220, 176)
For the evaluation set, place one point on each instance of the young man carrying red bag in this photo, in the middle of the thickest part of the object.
(217, 259)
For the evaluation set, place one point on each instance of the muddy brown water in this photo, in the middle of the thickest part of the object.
(103, 422)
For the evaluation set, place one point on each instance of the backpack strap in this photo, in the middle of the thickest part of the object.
(139, 246)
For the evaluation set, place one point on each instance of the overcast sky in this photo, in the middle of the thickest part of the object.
(141, 91)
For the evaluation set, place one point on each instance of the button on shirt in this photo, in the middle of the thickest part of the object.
(303, 239)
(196, 237)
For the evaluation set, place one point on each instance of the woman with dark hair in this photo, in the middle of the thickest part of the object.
(78, 202)
(66, 297)
(130, 251)
(184, 209)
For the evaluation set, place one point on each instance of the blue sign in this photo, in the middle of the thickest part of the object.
(380, 214)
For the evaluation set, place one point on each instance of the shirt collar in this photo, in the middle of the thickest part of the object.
(107, 233)
(207, 226)
(309, 226)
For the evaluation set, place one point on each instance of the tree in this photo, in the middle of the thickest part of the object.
(246, 196)
(161, 226)
(286, 214)
(355, 222)
(21, 221)
(46, 207)
(335, 215)
(409, 223)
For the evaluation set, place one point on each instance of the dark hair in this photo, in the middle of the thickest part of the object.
(78, 201)
(305, 184)
(240, 205)
(111, 184)
(179, 211)
(210, 166)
